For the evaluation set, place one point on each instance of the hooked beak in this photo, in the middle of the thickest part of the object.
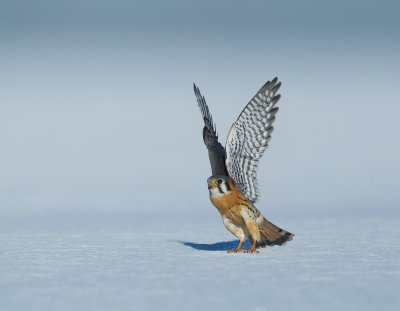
(212, 184)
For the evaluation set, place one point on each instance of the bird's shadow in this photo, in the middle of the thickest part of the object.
(219, 246)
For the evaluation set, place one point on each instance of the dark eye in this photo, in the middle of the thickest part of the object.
(220, 181)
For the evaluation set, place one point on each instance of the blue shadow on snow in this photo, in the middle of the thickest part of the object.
(219, 246)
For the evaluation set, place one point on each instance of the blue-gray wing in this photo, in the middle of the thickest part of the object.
(216, 151)
(249, 137)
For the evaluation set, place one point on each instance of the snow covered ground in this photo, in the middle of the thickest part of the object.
(156, 264)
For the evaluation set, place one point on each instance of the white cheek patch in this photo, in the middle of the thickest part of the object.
(216, 193)
(224, 188)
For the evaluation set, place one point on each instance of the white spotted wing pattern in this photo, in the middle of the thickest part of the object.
(248, 139)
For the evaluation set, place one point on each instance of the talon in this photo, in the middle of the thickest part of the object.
(236, 250)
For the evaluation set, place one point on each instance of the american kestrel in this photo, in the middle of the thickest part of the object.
(233, 185)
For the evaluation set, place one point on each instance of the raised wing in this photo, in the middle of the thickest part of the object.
(216, 151)
(248, 138)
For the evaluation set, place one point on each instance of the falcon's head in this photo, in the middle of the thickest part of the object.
(218, 185)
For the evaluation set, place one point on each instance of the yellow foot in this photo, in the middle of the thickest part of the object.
(243, 250)
(236, 250)
(252, 250)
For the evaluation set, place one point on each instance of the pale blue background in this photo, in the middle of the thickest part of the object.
(97, 110)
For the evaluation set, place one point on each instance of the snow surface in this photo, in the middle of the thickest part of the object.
(156, 264)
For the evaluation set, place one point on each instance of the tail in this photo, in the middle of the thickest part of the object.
(272, 235)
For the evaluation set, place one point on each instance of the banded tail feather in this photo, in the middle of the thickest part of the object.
(272, 235)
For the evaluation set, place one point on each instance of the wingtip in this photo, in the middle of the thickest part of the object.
(196, 90)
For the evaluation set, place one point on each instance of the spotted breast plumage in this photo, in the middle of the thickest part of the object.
(233, 185)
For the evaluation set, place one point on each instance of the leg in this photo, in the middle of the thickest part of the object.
(254, 233)
(253, 247)
(238, 249)
(252, 228)
(237, 232)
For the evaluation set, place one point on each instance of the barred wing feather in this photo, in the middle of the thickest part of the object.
(248, 138)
